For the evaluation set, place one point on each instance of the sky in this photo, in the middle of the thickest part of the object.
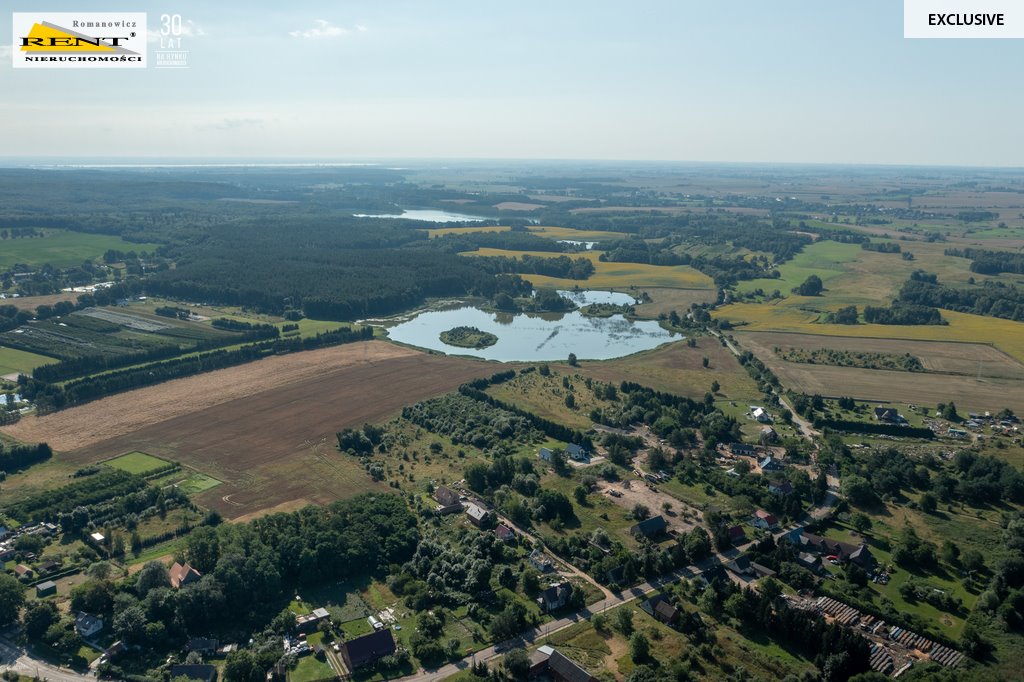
(789, 81)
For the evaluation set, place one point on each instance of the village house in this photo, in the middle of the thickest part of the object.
(476, 514)
(504, 533)
(554, 597)
(87, 624)
(183, 574)
(576, 453)
(367, 649)
(202, 645)
(650, 528)
(447, 499)
(661, 609)
(764, 520)
(742, 449)
(666, 613)
(782, 488)
(23, 571)
(843, 551)
(770, 464)
(768, 435)
(737, 535)
(760, 414)
(546, 455)
(740, 566)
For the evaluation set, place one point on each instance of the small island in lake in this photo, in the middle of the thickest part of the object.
(468, 337)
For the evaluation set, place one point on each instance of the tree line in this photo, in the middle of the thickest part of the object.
(50, 397)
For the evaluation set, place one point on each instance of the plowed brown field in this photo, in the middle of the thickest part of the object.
(265, 429)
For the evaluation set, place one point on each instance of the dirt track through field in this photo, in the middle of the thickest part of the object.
(265, 429)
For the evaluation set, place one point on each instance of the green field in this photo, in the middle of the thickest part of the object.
(824, 259)
(197, 483)
(137, 463)
(62, 248)
(14, 361)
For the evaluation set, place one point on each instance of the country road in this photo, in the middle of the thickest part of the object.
(14, 657)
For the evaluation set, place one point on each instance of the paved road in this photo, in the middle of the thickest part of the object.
(14, 657)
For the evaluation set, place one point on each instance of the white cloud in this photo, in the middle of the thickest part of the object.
(361, 28)
(323, 29)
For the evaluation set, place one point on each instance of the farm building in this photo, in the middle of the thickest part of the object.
(539, 660)
(558, 667)
(46, 589)
(649, 528)
(768, 435)
(770, 464)
(23, 571)
(309, 621)
(98, 538)
(546, 455)
(366, 649)
(742, 449)
(760, 414)
(183, 574)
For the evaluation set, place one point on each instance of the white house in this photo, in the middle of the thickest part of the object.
(760, 414)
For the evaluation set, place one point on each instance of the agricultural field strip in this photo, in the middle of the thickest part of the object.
(939, 357)
(127, 412)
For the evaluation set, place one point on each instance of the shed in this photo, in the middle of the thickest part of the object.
(46, 589)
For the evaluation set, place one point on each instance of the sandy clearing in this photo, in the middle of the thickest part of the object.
(124, 413)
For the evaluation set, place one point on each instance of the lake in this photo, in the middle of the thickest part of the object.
(427, 215)
(586, 245)
(590, 296)
(528, 337)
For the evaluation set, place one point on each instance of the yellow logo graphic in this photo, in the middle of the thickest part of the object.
(52, 39)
